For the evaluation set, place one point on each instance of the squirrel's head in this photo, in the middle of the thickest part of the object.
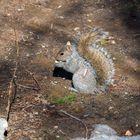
(64, 54)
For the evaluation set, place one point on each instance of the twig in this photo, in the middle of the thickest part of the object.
(66, 113)
(27, 87)
(55, 110)
(24, 109)
(9, 104)
(32, 74)
(137, 35)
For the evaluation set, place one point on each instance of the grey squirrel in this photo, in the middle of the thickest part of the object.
(90, 64)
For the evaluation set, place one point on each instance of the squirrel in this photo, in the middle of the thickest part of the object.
(91, 65)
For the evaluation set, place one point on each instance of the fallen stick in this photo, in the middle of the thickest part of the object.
(66, 113)
(27, 87)
(32, 74)
(9, 104)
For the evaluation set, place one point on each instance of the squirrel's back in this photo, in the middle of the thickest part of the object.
(98, 56)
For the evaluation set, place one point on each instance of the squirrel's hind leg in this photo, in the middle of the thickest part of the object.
(84, 81)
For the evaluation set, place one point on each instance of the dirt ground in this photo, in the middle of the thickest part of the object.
(41, 28)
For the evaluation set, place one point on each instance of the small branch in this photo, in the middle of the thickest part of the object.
(32, 74)
(137, 35)
(27, 87)
(55, 110)
(66, 113)
(9, 104)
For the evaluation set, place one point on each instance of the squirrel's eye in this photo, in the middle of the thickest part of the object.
(61, 53)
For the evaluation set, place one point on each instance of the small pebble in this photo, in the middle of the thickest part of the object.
(55, 82)
(61, 17)
(59, 6)
(27, 54)
(56, 127)
(8, 14)
(57, 136)
(110, 37)
(43, 46)
(113, 42)
(89, 20)
(19, 10)
(111, 107)
(36, 113)
(137, 125)
(114, 58)
(76, 28)
(126, 93)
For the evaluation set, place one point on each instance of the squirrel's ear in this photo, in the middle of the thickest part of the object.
(69, 46)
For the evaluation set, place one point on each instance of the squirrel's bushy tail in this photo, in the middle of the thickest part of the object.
(98, 56)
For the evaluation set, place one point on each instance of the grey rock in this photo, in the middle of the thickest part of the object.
(3, 128)
(104, 132)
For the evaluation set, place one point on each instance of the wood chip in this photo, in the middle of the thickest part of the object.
(128, 133)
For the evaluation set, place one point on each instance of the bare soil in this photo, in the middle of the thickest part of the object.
(42, 27)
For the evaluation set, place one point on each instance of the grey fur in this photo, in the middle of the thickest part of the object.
(84, 75)
(79, 66)
(111, 73)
